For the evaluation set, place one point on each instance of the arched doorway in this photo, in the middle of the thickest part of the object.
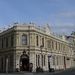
(24, 62)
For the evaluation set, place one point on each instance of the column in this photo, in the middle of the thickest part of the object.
(7, 64)
(33, 60)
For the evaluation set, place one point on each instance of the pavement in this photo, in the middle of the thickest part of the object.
(70, 71)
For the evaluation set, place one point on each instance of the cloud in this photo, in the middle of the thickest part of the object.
(62, 24)
(63, 27)
(67, 14)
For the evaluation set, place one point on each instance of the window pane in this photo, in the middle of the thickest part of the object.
(24, 39)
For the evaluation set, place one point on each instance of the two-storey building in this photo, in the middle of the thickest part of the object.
(21, 45)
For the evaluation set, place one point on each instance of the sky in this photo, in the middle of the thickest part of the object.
(59, 14)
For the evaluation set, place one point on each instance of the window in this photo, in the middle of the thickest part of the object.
(57, 60)
(53, 60)
(24, 39)
(43, 42)
(49, 43)
(11, 60)
(2, 63)
(44, 60)
(52, 44)
(12, 40)
(2, 42)
(6, 41)
(56, 45)
(37, 40)
(59, 46)
(38, 60)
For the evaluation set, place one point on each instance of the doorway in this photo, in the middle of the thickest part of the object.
(24, 62)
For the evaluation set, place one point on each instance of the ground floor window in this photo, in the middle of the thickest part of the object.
(53, 60)
(44, 60)
(2, 63)
(38, 60)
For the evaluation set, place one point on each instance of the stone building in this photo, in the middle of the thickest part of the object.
(22, 45)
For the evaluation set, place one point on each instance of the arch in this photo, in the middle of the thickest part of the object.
(24, 62)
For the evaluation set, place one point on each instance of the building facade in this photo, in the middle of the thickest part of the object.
(23, 44)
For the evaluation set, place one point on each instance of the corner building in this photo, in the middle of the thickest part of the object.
(38, 45)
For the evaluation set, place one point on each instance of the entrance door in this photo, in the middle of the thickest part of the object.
(24, 62)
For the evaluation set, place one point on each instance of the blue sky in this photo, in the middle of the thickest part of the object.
(59, 14)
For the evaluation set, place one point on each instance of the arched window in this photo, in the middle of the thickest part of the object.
(24, 39)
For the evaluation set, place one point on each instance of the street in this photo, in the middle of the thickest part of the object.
(65, 72)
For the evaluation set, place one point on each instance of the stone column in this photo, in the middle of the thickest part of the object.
(7, 64)
(33, 60)
(46, 62)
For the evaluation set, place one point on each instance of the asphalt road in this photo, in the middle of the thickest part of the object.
(65, 72)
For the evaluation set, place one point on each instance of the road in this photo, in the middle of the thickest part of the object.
(65, 72)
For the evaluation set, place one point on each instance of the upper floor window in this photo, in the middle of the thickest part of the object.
(49, 43)
(6, 41)
(43, 42)
(37, 40)
(24, 39)
(2, 42)
(12, 40)
(56, 45)
(52, 44)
